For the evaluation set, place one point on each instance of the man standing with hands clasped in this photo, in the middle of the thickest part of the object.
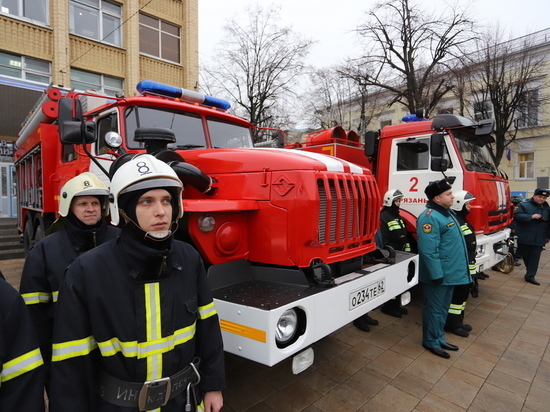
(533, 231)
(443, 263)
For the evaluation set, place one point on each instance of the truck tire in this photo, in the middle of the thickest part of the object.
(28, 235)
(40, 231)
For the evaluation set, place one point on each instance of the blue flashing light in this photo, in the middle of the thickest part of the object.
(412, 118)
(165, 90)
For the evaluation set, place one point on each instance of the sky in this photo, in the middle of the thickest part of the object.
(331, 23)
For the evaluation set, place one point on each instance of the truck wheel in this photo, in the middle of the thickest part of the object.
(40, 232)
(28, 235)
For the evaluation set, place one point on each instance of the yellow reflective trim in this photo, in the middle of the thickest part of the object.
(114, 345)
(154, 331)
(72, 349)
(20, 365)
(36, 297)
(207, 311)
(55, 295)
(244, 331)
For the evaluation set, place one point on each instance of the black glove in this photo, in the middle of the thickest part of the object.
(437, 281)
(474, 288)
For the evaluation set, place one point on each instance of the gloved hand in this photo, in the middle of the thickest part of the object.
(474, 288)
(437, 281)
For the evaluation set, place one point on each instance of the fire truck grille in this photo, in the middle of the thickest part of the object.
(343, 208)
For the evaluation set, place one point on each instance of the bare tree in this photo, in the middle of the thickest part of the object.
(504, 79)
(258, 65)
(409, 46)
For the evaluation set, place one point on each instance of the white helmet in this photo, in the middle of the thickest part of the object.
(143, 171)
(461, 198)
(391, 195)
(85, 184)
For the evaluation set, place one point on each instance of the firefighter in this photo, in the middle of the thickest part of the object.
(136, 327)
(443, 263)
(455, 318)
(394, 234)
(83, 202)
(21, 365)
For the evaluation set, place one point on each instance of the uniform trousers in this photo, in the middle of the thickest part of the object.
(437, 299)
(531, 258)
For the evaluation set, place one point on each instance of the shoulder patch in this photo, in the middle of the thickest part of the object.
(427, 227)
(429, 212)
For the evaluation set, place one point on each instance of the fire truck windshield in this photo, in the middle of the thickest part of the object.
(476, 158)
(187, 127)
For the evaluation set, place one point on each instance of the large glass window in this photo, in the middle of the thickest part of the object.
(24, 67)
(483, 110)
(187, 127)
(97, 19)
(528, 109)
(83, 80)
(412, 156)
(31, 9)
(158, 38)
(526, 165)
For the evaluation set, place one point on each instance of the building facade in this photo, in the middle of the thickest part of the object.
(105, 45)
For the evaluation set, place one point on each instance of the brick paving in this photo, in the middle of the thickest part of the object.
(504, 365)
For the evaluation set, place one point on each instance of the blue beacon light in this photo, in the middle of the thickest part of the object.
(160, 89)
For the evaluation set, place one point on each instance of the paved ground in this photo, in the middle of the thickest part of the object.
(504, 365)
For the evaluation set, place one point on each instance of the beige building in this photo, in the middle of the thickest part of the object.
(528, 166)
(106, 45)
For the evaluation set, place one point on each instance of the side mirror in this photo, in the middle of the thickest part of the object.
(72, 127)
(371, 139)
(438, 164)
(437, 144)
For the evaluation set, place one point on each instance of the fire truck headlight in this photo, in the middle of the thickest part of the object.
(480, 251)
(113, 139)
(287, 326)
(207, 223)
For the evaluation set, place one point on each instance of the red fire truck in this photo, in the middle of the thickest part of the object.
(410, 155)
(288, 237)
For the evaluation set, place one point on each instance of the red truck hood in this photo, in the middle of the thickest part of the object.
(216, 161)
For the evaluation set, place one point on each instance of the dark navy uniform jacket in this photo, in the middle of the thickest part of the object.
(532, 231)
(138, 314)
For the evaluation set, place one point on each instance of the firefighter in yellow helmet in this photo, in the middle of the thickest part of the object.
(83, 201)
(136, 327)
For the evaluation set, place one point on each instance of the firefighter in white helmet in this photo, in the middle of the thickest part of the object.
(83, 201)
(136, 315)
(455, 318)
(394, 233)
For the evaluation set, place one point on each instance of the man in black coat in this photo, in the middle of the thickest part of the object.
(533, 231)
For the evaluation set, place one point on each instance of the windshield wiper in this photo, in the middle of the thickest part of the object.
(186, 146)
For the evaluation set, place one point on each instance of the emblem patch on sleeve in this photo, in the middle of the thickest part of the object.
(427, 227)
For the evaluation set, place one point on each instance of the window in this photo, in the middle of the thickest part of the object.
(158, 38)
(83, 80)
(483, 110)
(528, 109)
(25, 68)
(31, 9)
(97, 19)
(412, 156)
(526, 165)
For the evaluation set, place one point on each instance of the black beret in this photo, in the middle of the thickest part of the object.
(436, 188)
(542, 192)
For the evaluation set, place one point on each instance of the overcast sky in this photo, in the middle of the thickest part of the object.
(331, 23)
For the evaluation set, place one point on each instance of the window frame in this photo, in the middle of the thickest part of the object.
(160, 32)
(103, 88)
(21, 6)
(102, 13)
(25, 71)
(528, 114)
(525, 164)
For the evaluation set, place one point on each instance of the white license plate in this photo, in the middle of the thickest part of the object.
(361, 296)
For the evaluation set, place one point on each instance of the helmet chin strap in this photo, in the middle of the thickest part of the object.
(156, 235)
